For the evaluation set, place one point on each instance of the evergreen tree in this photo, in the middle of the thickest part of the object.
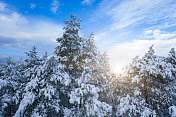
(76, 81)
(172, 60)
(33, 58)
(60, 86)
(11, 81)
(149, 78)
(46, 94)
(45, 56)
(98, 64)
(172, 56)
(69, 45)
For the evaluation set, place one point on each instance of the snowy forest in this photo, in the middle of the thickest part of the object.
(76, 81)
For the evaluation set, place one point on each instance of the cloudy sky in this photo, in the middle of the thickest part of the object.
(123, 28)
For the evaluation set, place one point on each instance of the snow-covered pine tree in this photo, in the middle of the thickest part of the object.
(156, 75)
(84, 59)
(6, 89)
(46, 94)
(129, 101)
(69, 45)
(33, 59)
(172, 56)
(98, 64)
(45, 56)
(60, 86)
(31, 62)
(104, 77)
(150, 77)
(172, 60)
(86, 96)
(10, 83)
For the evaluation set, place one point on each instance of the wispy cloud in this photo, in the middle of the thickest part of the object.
(2, 6)
(159, 35)
(54, 6)
(136, 12)
(100, 36)
(133, 26)
(20, 32)
(17, 26)
(122, 54)
(32, 5)
(87, 2)
(132, 18)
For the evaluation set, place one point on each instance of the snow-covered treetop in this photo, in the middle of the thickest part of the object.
(172, 56)
(73, 24)
(32, 53)
(150, 53)
(172, 51)
(9, 60)
(33, 58)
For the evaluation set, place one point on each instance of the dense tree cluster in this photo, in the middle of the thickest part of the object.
(148, 86)
(76, 81)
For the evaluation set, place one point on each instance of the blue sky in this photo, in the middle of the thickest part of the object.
(123, 28)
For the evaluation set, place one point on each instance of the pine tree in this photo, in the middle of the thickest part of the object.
(82, 97)
(172, 56)
(33, 58)
(11, 79)
(130, 101)
(98, 64)
(150, 79)
(69, 45)
(60, 86)
(172, 60)
(46, 94)
(45, 56)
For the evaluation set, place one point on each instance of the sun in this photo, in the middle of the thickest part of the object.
(117, 69)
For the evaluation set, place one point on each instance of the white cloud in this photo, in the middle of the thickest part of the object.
(32, 5)
(87, 2)
(54, 6)
(157, 34)
(106, 39)
(122, 54)
(2, 6)
(100, 36)
(142, 23)
(148, 32)
(160, 13)
(18, 27)
(20, 33)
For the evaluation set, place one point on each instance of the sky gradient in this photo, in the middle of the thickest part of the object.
(123, 28)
